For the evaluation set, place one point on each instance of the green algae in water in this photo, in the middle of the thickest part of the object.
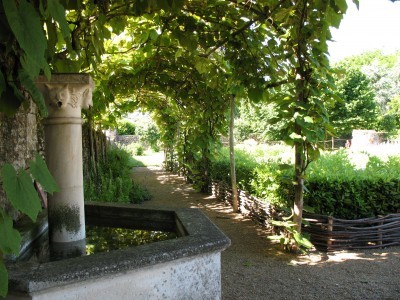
(104, 239)
(98, 239)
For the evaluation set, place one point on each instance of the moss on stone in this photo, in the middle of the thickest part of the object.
(67, 217)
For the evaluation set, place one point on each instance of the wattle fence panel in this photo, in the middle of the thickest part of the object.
(327, 233)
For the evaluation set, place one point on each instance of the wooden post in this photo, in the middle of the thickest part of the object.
(235, 198)
(330, 230)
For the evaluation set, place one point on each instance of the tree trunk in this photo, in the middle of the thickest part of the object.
(299, 185)
(235, 198)
(301, 98)
(92, 160)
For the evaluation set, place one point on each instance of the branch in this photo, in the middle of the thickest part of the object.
(223, 42)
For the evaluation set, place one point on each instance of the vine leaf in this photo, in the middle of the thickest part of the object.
(30, 86)
(41, 173)
(3, 280)
(57, 11)
(10, 239)
(25, 24)
(20, 191)
(2, 83)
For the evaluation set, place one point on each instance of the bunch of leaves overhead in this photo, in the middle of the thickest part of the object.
(26, 49)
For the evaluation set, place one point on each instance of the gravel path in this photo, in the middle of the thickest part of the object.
(255, 268)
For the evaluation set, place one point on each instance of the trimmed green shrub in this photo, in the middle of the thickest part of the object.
(245, 165)
(334, 184)
(336, 187)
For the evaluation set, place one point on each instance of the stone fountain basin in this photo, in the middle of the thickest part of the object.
(188, 267)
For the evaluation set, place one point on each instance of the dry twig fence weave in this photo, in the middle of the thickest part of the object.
(260, 211)
(330, 234)
(327, 233)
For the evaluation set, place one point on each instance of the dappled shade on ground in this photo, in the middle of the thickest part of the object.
(255, 268)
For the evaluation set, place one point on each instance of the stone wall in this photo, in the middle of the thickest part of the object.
(127, 139)
(21, 136)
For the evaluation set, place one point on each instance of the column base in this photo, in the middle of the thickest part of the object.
(66, 250)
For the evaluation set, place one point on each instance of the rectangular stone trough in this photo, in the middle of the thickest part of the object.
(188, 267)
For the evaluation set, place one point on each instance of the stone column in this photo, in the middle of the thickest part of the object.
(65, 95)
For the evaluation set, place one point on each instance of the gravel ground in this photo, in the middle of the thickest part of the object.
(256, 268)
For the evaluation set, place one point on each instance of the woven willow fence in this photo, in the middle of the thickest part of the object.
(259, 211)
(327, 233)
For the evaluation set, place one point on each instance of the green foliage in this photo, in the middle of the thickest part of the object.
(357, 109)
(135, 149)
(382, 71)
(126, 128)
(112, 182)
(394, 110)
(10, 238)
(263, 173)
(387, 123)
(4, 279)
(273, 182)
(42, 174)
(25, 49)
(336, 187)
(245, 165)
(258, 121)
(20, 191)
(149, 135)
(139, 193)
(169, 61)
(290, 238)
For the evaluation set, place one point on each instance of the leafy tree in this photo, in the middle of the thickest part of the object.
(382, 70)
(385, 81)
(259, 121)
(394, 109)
(126, 128)
(357, 110)
(149, 134)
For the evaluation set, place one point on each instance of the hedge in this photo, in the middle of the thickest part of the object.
(334, 186)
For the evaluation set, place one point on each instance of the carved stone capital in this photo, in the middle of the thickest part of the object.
(66, 94)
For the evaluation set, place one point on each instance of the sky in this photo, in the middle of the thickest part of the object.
(376, 25)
